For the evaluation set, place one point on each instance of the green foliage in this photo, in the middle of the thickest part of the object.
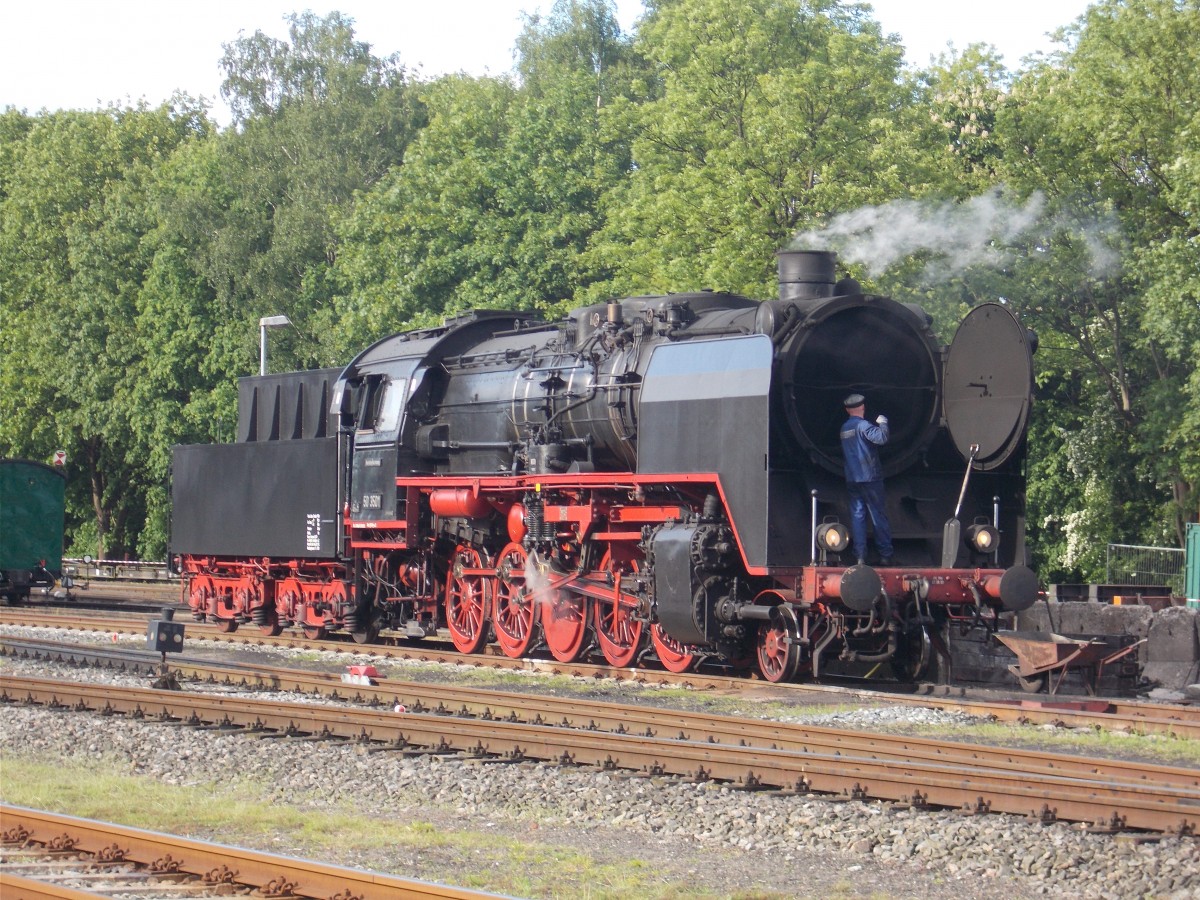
(320, 63)
(964, 94)
(72, 254)
(14, 126)
(417, 241)
(320, 118)
(1106, 129)
(500, 194)
(138, 247)
(758, 119)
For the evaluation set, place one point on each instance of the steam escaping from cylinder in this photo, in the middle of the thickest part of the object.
(537, 584)
(980, 231)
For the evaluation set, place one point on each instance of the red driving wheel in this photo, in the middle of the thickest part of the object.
(564, 622)
(617, 631)
(515, 613)
(675, 656)
(468, 599)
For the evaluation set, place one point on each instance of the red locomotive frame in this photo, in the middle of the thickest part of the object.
(600, 598)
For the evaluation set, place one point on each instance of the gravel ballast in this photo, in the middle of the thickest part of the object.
(714, 839)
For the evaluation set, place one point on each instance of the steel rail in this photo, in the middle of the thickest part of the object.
(918, 783)
(483, 703)
(1145, 718)
(203, 631)
(21, 888)
(214, 863)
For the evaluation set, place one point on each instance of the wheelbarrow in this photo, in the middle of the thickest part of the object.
(1043, 658)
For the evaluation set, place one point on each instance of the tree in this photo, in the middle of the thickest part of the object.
(499, 196)
(1106, 131)
(964, 94)
(14, 126)
(418, 244)
(318, 118)
(761, 118)
(72, 259)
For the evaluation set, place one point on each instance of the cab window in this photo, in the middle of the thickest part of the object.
(383, 401)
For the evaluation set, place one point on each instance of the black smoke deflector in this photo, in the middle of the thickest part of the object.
(988, 385)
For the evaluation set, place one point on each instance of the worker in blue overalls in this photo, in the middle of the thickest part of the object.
(864, 478)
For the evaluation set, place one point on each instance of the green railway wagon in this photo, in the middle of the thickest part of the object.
(31, 527)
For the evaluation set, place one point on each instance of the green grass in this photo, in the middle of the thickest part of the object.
(1099, 743)
(242, 812)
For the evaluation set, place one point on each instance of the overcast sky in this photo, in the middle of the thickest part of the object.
(86, 54)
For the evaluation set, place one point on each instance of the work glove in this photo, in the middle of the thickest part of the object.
(881, 420)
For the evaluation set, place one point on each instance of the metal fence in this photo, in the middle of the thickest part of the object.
(1158, 566)
(117, 569)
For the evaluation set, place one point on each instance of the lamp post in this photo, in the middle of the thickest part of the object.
(263, 324)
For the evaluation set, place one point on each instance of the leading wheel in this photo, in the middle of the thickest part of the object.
(468, 600)
(515, 613)
(777, 652)
(618, 633)
(914, 658)
(675, 656)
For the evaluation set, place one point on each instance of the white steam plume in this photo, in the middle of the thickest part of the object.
(977, 231)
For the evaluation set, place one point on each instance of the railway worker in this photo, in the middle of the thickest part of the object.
(864, 478)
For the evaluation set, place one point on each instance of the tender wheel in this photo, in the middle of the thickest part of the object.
(270, 626)
(515, 612)
(674, 656)
(778, 655)
(313, 632)
(618, 633)
(201, 590)
(226, 626)
(468, 601)
(289, 600)
(368, 635)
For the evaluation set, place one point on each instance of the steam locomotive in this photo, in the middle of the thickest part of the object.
(656, 478)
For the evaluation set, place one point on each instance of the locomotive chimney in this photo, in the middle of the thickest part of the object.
(805, 274)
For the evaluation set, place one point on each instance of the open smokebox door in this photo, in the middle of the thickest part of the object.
(986, 396)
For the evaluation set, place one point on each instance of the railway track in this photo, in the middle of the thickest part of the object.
(487, 704)
(47, 855)
(1137, 717)
(747, 753)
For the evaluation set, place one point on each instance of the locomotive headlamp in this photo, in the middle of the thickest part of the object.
(833, 537)
(983, 538)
